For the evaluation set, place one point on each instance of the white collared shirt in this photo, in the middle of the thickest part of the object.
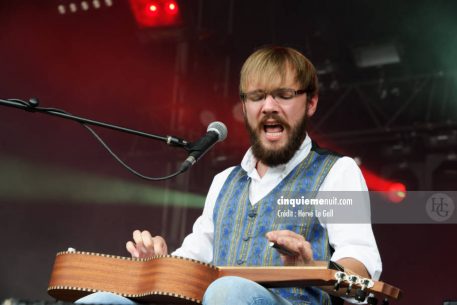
(348, 240)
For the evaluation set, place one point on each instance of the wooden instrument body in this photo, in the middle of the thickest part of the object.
(170, 279)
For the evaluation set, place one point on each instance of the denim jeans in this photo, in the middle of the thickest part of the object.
(229, 290)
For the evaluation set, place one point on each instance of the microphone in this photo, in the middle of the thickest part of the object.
(216, 132)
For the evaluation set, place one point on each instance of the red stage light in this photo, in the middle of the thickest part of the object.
(394, 191)
(172, 8)
(155, 13)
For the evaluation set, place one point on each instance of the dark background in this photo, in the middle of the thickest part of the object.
(59, 188)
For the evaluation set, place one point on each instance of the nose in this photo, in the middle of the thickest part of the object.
(270, 105)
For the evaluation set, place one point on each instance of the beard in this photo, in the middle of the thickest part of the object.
(271, 156)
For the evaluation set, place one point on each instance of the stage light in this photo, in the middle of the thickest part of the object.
(155, 13)
(96, 4)
(151, 10)
(394, 191)
(84, 6)
(172, 8)
(112, 190)
(61, 8)
(73, 7)
(376, 55)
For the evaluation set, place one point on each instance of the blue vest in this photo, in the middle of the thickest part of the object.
(240, 227)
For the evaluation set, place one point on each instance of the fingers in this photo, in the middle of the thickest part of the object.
(144, 242)
(160, 246)
(144, 245)
(274, 235)
(299, 246)
(294, 243)
(130, 246)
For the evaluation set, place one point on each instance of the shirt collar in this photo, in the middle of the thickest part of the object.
(249, 161)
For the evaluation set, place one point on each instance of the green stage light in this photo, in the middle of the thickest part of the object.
(31, 182)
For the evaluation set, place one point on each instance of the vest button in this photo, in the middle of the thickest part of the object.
(240, 262)
(246, 238)
(252, 214)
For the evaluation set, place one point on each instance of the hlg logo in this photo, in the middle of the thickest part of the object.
(440, 207)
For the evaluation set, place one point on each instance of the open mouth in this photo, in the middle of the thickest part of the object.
(273, 129)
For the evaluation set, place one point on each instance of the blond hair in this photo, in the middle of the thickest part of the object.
(271, 65)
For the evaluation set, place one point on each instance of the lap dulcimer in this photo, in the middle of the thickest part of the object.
(176, 280)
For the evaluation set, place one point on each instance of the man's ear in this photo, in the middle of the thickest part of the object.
(311, 106)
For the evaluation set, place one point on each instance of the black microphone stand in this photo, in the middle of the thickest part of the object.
(32, 105)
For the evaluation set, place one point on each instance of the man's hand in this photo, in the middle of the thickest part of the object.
(144, 245)
(295, 243)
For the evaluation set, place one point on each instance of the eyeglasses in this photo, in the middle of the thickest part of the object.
(280, 95)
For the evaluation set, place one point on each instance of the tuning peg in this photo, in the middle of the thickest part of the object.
(385, 301)
(372, 300)
(352, 279)
(340, 276)
(360, 295)
(349, 289)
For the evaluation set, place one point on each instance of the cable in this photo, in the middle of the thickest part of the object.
(99, 139)
(32, 105)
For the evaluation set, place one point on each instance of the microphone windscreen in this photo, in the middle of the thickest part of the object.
(220, 129)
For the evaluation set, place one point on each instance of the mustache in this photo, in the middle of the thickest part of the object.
(273, 116)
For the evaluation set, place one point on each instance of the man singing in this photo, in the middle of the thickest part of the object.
(279, 93)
